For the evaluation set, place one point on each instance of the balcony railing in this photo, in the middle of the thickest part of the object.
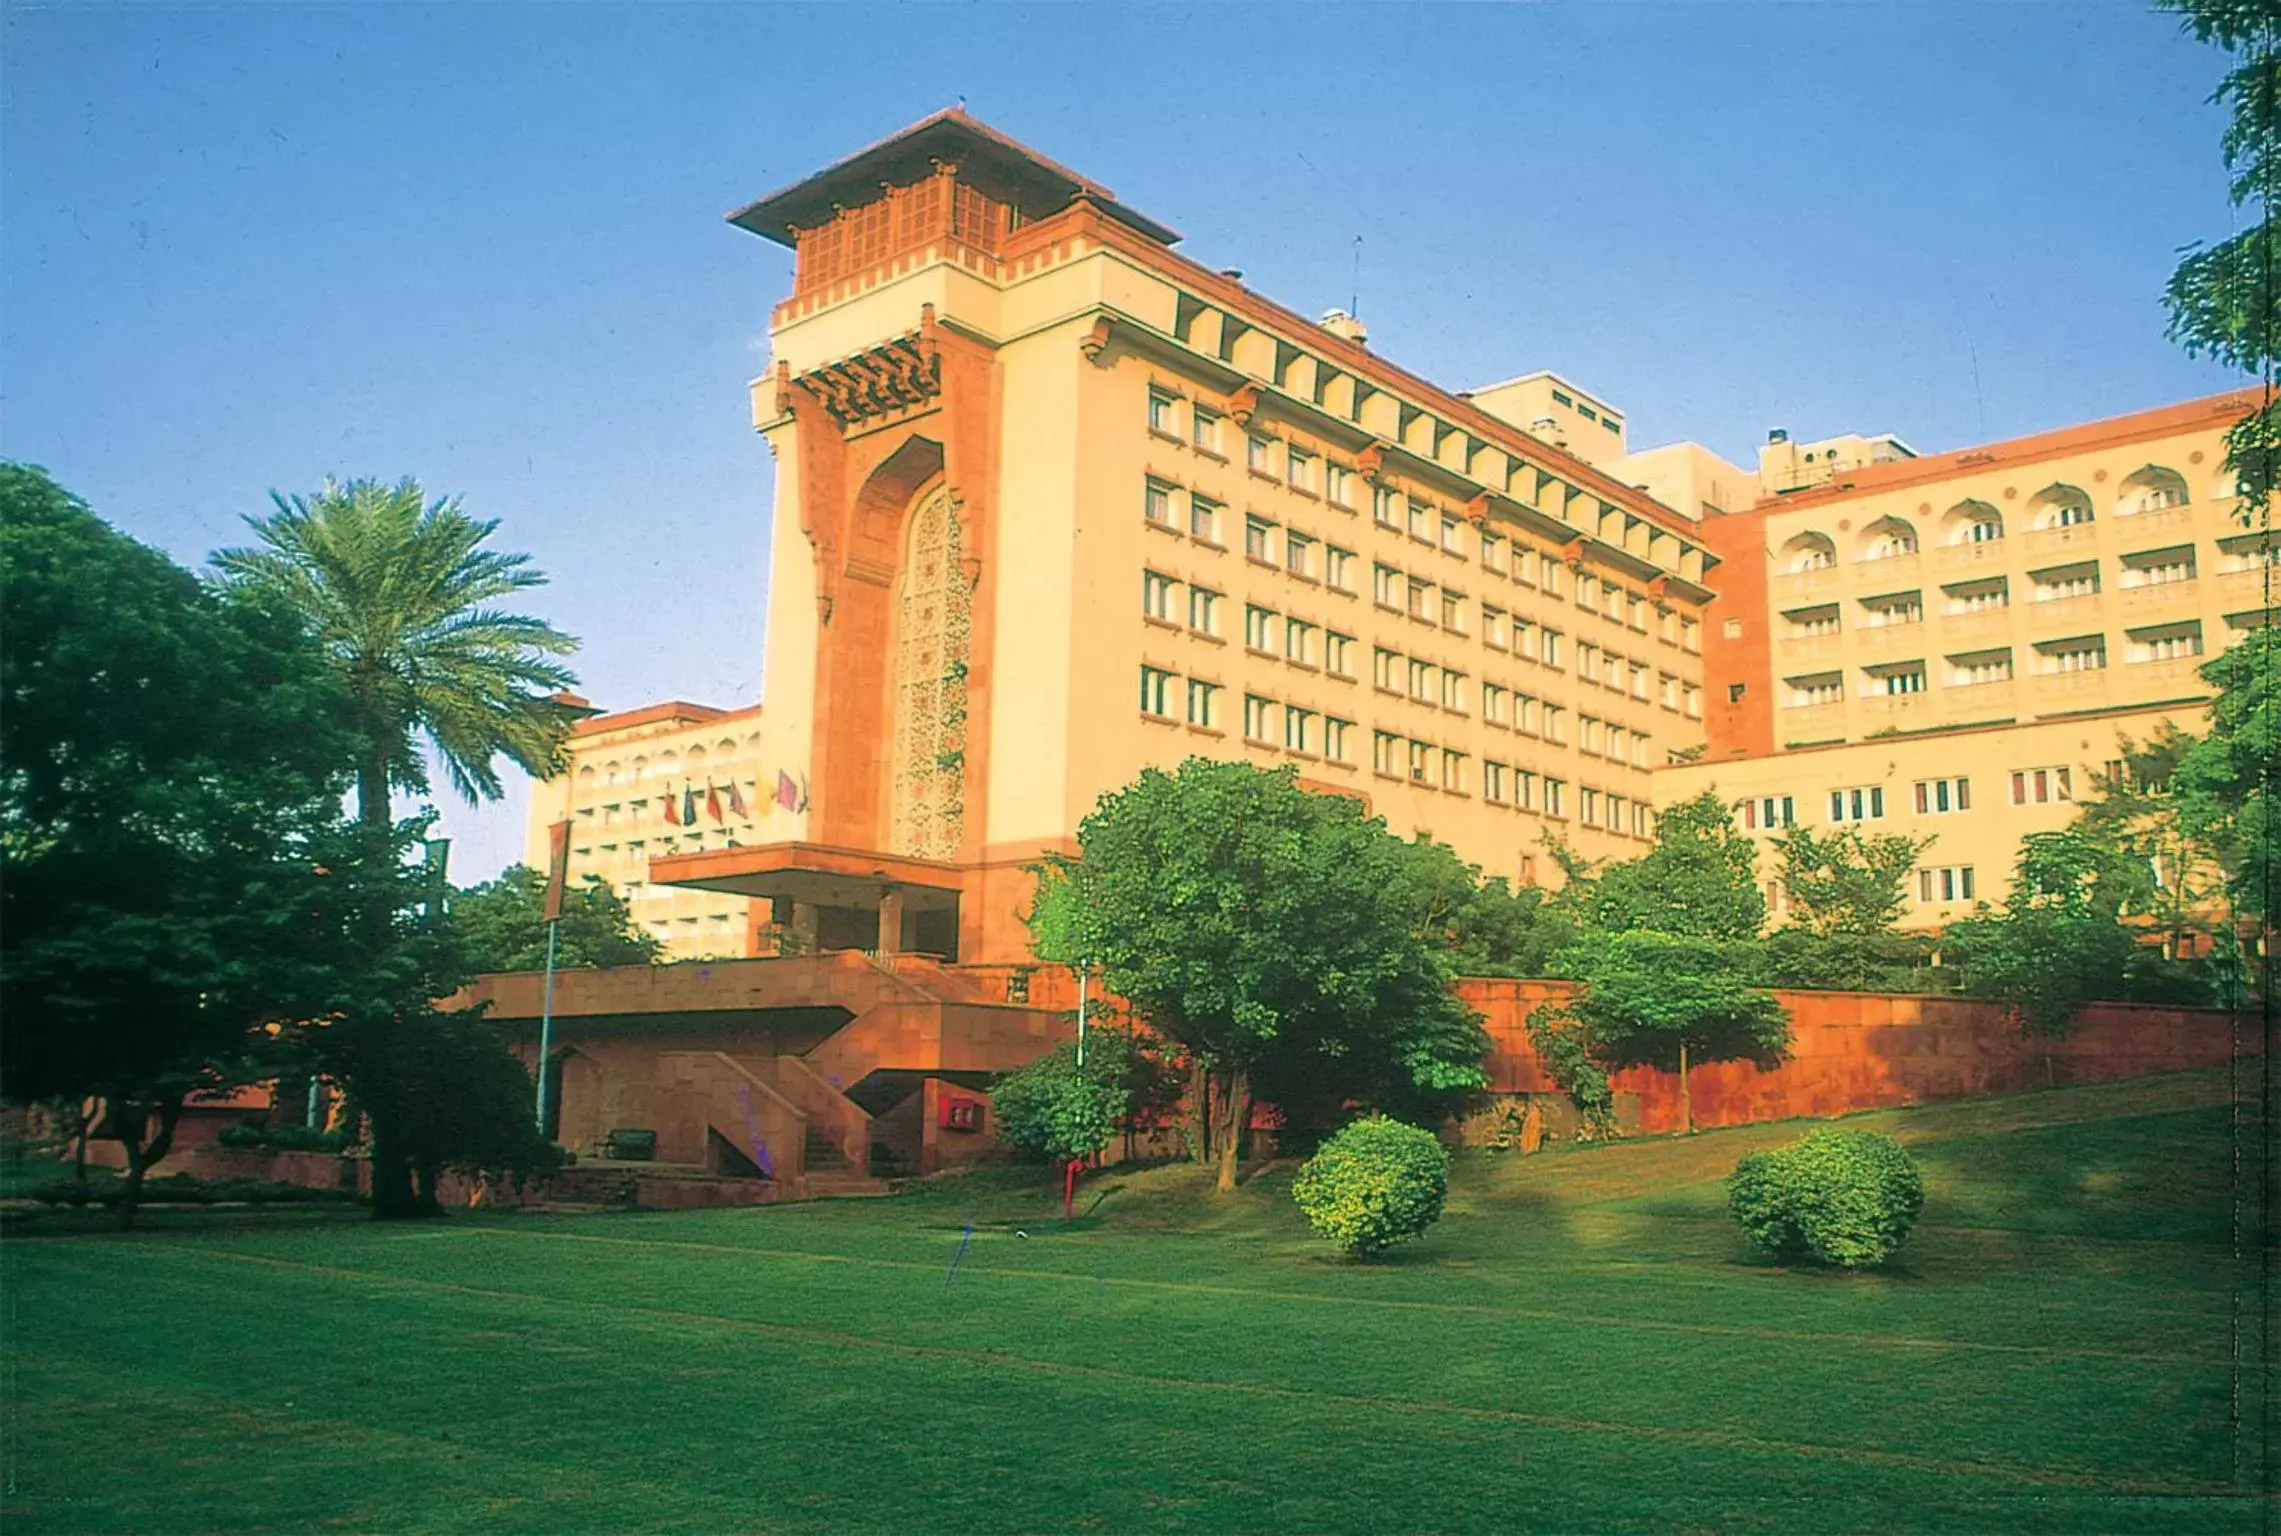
(1957, 557)
(2096, 680)
(2082, 536)
(1995, 693)
(1884, 639)
(1895, 707)
(1804, 648)
(2167, 668)
(1967, 626)
(2163, 594)
(1809, 717)
(2049, 612)
(1891, 567)
(1798, 583)
(2245, 589)
(2156, 522)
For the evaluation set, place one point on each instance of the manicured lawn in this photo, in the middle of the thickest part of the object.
(1584, 1344)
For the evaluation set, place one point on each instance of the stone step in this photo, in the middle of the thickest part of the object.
(846, 1186)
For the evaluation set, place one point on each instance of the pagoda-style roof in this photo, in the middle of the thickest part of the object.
(1038, 185)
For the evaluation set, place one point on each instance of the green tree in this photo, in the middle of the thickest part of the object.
(1053, 1110)
(501, 925)
(1665, 1000)
(2058, 940)
(1252, 922)
(401, 594)
(169, 773)
(1847, 881)
(1700, 879)
(2225, 781)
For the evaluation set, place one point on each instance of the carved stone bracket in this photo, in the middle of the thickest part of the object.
(1370, 460)
(1095, 341)
(1243, 404)
(879, 381)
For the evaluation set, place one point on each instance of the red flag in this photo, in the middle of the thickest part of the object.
(557, 867)
(736, 803)
(787, 792)
(671, 820)
(712, 801)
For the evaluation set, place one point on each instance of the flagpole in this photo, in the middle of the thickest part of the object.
(546, 1021)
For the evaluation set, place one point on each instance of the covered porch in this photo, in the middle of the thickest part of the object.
(823, 898)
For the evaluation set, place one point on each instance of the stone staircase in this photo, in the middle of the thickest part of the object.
(594, 1186)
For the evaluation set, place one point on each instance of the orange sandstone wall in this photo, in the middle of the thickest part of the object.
(1869, 1050)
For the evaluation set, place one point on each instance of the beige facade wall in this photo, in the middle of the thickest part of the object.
(1689, 479)
(621, 770)
(2097, 571)
(1547, 406)
(1975, 792)
(1785, 466)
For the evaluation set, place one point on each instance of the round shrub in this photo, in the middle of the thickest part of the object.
(1845, 1198)
(1374, 1184)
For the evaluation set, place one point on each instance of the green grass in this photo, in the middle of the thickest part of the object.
(1583, 1344)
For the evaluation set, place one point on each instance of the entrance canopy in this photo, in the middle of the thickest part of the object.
(814, 875)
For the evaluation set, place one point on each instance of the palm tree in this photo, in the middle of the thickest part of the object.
(399, 590)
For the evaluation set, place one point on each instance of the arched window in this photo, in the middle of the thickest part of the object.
(2152, 489)
(933, 623)
(1973, 522)
(1809, 552)
(2060, 506)
(1888, 538)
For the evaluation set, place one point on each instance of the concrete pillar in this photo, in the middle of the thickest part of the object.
(804, 927)
(890, 922)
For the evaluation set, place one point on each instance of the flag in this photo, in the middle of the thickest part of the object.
(670, 818)
(787, 792)
(712, 801)
(736, 803)
(688, 805)
(557, 868)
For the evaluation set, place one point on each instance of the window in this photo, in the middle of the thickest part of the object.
(2085, 655)
(1768, 813)
(1255, 711)
(1452, 770)
(1156, 688)
(1493, 551)
(1551, 648)
(1494, 632)
(1810, 623)
(1204, 519)
(1862, 804)
(1526, 641)
(1160, 405)
(1338, 568)
(1258, 627)
(1338, 654)
(1555, 794)
(1975, 668)
(1255, 450)
(1667, 690)
(1493, 704)
(1421, 517)
(1453, 611)
(1524, 793)
(2159, 568)
(1156, 596)
(1386, 669)
(1821, 688)
(1563, 399)
(1635, 616)
(1337, 739)
(1385, 510)
(1591, 735)
(2058, 585)
(1258, 533)
(1453, 690)
(1158, 505)
(1422, 681)
(1385, 589)
(1942, 797)
(1452, 535)
(1950, 882)
(1338, 485)
(2070, 514)
(1588, 661)
(1299, 732)
(1887, 612)
(1299, 555)
(1588, 593)
(1420, 763)
(1493, 781)
(1979, 596)
(1692, 697)
(1299, 470)
(1203, 610)
(1421, 599)
(1525, 566)
(1691, 636)
(2042, 786)
(1204, 430)
(1556, 724)
(2170, 642)
(1203, 704)
(1385, 752)
(1299, 642)
(1528, 714)
(1637, 671)
(1588, 806)
(1898, 681)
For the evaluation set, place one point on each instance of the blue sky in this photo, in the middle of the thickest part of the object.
(244, 247)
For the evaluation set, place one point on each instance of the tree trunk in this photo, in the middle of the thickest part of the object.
(428, 1201)
(130, 1123)
(393, 1198)
(1234, 1110)
(1686, 1104)
(1200, 1111)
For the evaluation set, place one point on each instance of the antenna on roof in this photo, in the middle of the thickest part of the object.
(1354, 303)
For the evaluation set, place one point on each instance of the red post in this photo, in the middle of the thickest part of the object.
(1069, 1189)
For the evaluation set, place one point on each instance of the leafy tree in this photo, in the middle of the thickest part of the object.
(1376, 1183)
(1055, 1111)
(1700, 879)
(1487, 927)
(501, 925)
(1655, 999)
(2058, 941)
(400, 592)
(1848, 881)
(2225, 781)
(1253, 923)
(168, 776)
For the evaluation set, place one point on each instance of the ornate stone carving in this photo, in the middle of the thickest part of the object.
(1095, 341)
(933, 628)
(893, 376)
(1243, 404)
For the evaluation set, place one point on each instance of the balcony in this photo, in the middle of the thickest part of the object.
(1805, 648)
(1976, 698)
(2073, 684)
(2157, 522)
(1895, 708)
(2065, 612)
(1891, 568)
(1802, 583)
(1970, 626)
(1965, 557)
(2238, 590)
(1812, 717)
(2082, 537)
(2168, 669)
(2185, 596)
(1885, 639)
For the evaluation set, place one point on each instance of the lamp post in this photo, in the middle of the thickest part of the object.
(558, 875)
